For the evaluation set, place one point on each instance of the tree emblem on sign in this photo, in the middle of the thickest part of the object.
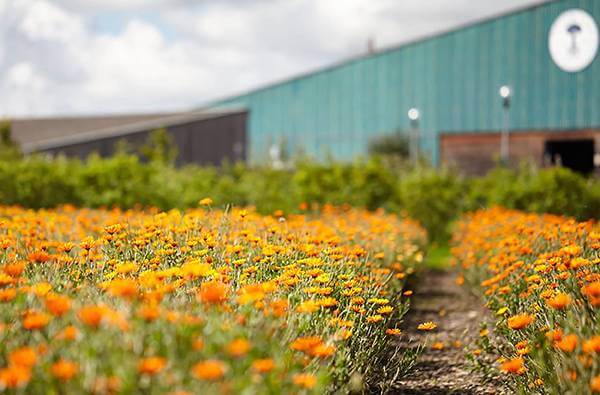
(574, 31)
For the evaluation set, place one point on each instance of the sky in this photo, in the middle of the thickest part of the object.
(73, 57)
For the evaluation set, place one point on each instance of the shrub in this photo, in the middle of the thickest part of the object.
(434, 198)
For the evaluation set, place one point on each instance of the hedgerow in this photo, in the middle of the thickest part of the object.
(434, 197)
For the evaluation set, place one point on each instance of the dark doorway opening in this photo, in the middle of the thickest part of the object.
(577, 155)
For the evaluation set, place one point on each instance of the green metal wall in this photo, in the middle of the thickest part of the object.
(452, 78)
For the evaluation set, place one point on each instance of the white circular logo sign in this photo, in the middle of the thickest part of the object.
(573, 40)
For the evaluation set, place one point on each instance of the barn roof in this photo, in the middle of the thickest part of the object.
(42, 133)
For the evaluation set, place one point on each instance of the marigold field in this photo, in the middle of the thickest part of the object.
(540, 275)
(205, 301)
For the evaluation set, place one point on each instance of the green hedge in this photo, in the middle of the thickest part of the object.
(432, 196)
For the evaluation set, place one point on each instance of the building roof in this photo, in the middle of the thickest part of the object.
(43, 133)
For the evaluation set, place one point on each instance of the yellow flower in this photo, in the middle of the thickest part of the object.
(205, 202)
(375, 318)
(427, 326)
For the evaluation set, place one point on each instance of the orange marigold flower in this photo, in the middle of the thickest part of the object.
(124, 288)
(515, 366)
(305, 380)
(567, 343)
(554, 335)
(592, 345)
(438, 346)
(152, 365)
(393, 331)
(14, 269)
(238, 347)
(308, 306)
(39, 256)
(322, 351)
(385, 310)
(520, 321)
(58, 305)
(92, 315)
(149, 312)
(343, 334)
(198, 344)
(7, 294)
(279, 307)
(559, 301)
(374, 318)
(35, 320)
(592, 289)
(595, 384)
(209, 370)
(213, 292)
(24, 356)
(64, 370)
(306, 343)
(69, 333)
(427, 326)
(41, 289)
(14, 376)
(5, 279)
(263, 365)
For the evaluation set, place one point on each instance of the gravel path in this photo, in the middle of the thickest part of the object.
(458, 314)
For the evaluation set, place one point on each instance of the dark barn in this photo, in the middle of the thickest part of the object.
(201, 137)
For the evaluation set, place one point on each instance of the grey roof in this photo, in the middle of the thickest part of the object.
(43, 133)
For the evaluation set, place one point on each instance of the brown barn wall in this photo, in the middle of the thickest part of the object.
(477, 153)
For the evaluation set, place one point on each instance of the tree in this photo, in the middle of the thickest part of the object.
(395, 144)
(9, 149)
(160, 147)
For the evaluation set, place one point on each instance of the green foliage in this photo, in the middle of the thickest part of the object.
(395, 144)
(9, 149)
(160, 147)
(433, 197)
(552, 190)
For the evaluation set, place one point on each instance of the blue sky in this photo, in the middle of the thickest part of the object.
(62, 57)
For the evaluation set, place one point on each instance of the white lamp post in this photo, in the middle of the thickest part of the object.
(505, 94)
(413, 115)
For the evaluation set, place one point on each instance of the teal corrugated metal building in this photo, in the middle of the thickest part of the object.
(452, 78)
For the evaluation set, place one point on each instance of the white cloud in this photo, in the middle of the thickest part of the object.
(44, 21)
(22, 75)
(53, 59)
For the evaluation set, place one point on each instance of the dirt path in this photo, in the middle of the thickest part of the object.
(458, 315)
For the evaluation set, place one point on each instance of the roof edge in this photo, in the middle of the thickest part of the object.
(131, 128)
(384, 50)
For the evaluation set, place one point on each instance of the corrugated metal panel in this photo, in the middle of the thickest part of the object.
(452, 78)
(208, 141)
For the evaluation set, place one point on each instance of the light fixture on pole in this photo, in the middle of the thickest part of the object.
(505, 94)
(413, 115)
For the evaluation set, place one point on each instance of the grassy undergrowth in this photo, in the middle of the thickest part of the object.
(438, 257)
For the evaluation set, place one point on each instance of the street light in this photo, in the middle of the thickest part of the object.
(413, 115)
(505, 94)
